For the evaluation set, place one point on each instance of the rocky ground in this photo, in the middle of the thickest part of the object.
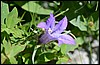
(82, 57)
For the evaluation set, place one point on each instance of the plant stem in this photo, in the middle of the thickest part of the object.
(34, 52)
(61, 12)
(90, 52)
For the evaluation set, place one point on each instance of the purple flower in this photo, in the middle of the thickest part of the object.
(53, 32)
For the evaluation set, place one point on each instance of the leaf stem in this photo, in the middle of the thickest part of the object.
(62, 12)
(34, 52)
(90, 52)
(72, 35)
(97, 6)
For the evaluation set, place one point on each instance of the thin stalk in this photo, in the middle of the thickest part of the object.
(23, 15)
(57, 11)
(97, 6)
(62, 12)
(31, 20)
(33, 56)
(90, 52)
(34, 52)
(22, 18)
(72, 35)
(90, 48)
(57, 14)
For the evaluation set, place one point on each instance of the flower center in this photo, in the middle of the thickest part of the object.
(49, 30)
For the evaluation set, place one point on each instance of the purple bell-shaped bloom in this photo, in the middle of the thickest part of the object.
(53, 32)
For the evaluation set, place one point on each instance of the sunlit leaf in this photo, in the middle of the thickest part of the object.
(49, 56)
(36, 8)
(95, 21)
(12, 19)
(16, 49)
(4, 11)
(65, 48)
(7, 46)
(12, 50)
(62, 60)
(1, 47)
(27, 61)
(13, 60)
(3, 58)
(79, 41)
(78, 23)
(3, 26)
(57, 48)
(97, 24)
(20, 3)
(16, 32)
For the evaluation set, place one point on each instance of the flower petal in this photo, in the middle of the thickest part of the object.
(67, 39)
(51, 21)
(55, 35)
(45, 38)
(42, 25)
(60, 42)
(59, 28)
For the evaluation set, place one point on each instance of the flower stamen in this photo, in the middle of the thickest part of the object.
(49, 30)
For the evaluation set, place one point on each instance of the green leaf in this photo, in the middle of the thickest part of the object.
(78, 23)
(16, 49)
(27, 55)
(20, 3)
(57, 48)
(82, 27)
(40, 59)
(12, 19)
(3, 58)
(3, 27)
(1, 47)
(4, 11)
(27, 61)
(95, 16)
(36, 8)
(48, 56)
(13, 60)
(62, 60)
(7, 30)
(12, 50)
(17, 33)
(79, 40)
(71, 47)
(7, 46)
(63, 48)
(97, 24)
(23, 59)
(45, 57)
